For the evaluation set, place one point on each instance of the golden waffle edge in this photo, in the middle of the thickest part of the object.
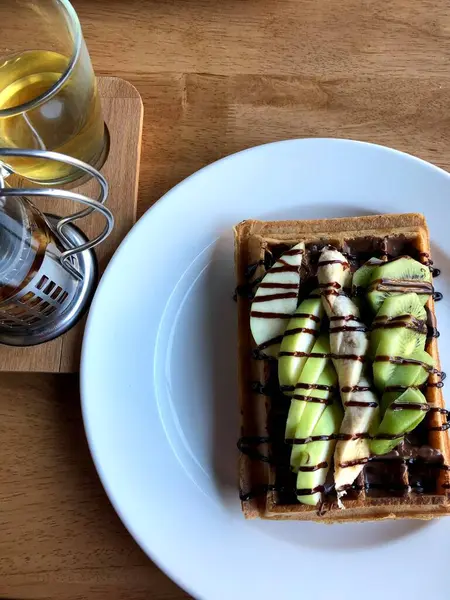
(256, 476)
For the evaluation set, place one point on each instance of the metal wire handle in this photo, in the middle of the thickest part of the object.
(67, 195)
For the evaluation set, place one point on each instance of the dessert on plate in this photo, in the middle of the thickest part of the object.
(342, 411)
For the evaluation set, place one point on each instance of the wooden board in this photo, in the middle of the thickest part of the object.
(215, 77)
(123, 113)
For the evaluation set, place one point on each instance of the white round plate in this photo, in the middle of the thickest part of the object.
(158, 380)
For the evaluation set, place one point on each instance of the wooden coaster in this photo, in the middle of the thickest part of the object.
(123, 114)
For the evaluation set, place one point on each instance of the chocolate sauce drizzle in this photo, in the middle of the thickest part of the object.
(310, 469)
(313, 399)
(315, 386)
(270, 297)
(357, 403)
(249, 444)
(345, 264)
(269, 315)
(324, 355)
(347, 389)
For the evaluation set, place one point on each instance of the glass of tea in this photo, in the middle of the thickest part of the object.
(48, 91)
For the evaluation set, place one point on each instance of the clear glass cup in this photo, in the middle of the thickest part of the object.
(48, 91)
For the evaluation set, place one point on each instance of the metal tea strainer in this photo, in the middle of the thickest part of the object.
(47, 266)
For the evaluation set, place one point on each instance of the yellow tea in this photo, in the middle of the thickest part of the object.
(70, 121)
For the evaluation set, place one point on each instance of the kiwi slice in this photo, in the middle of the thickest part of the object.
(400, 276)
(395, 344)
(363, 276)
(299, 337)
(394, 313)
(310, 375)
(318, 454)
(399, 419)
(407, 375)
(313, 410)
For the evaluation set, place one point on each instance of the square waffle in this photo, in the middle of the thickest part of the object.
(387, 487)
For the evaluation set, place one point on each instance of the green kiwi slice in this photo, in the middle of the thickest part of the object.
(363, 276)
(313, 409)
(310, 375)
(298, 339)
(395, 346)
(402, 416)
(407, 375)
(314, 458)
(394, 313)
(400, 276)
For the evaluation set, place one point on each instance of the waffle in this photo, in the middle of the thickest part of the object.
(418, 490)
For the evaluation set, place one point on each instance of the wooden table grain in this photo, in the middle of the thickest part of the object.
(215, 77)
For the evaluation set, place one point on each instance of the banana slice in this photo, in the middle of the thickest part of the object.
(334, 276)
(349, 344)
(362, 416)
(276, 300)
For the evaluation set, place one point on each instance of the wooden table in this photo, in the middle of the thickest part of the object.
(215, 77)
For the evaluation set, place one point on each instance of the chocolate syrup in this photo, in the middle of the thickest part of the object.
(429, 263)
(300, 354)
(301, 330)
(251, 269)
(346, 318)
(361, 404)
(354, 463)
(275, 340)
(399, 360)
(392, 285)
(309, 491)
(311, 438)
(305, 316)
(287, 388)
(329, 292)
(261, 490)
(310, 469)
(285, 268)
(272, 285)
(260, 388)
(395, 323)
(249, 445)
(344, 263)
(313, 399)
(314, 386)
(443, 427)
(280, 296)
(331, 284)
(353, 436)
(347, 389)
